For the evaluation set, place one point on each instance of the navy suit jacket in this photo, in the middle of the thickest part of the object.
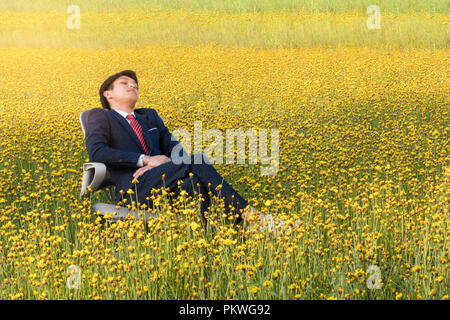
(111, 140)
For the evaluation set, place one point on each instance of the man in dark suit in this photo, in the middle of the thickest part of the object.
(135, 144)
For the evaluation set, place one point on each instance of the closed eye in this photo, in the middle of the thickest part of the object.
(126, 83)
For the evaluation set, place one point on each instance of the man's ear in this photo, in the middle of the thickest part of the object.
(106, 94)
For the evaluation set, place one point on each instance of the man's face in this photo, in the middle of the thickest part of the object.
(124, 91)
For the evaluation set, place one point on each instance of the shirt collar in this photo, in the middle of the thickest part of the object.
(123, 113)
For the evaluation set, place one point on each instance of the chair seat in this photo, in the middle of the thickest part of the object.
(122, 212)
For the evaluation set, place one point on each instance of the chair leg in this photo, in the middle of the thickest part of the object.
(110, 194)
(107, 194)
(112, 191)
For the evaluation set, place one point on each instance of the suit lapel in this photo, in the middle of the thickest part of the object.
(124, 123)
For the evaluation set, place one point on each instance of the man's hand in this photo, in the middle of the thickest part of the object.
(150, 163)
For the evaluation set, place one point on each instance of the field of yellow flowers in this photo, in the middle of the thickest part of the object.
(364, 169)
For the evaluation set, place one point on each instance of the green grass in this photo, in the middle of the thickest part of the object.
(395, 6)
(135, 28)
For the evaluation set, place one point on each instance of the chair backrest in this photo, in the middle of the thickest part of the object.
(83, 120)
(95, 175)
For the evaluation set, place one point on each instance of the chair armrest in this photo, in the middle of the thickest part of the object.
(94, 174)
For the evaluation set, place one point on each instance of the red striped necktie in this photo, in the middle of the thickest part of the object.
(138, 130)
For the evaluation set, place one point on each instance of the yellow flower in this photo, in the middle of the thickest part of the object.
(194, 226)
(227, 242)
(254, 289)
(439, 279)
(293, 286)
(107, 215)
(416, 268)
(276, 274)
(202, 243)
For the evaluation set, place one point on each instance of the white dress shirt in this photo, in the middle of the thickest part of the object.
(124, 114)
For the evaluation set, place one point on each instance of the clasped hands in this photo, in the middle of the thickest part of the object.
(150, 162)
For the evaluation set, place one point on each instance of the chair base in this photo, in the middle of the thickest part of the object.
(122, 212)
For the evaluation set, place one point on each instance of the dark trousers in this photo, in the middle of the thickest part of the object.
(205, 178)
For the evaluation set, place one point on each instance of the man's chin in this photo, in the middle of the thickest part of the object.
(130, 101)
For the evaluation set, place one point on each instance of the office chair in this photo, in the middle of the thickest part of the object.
(96, 177)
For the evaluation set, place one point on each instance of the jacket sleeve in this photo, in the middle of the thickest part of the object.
(166, 141)
(97, 140)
